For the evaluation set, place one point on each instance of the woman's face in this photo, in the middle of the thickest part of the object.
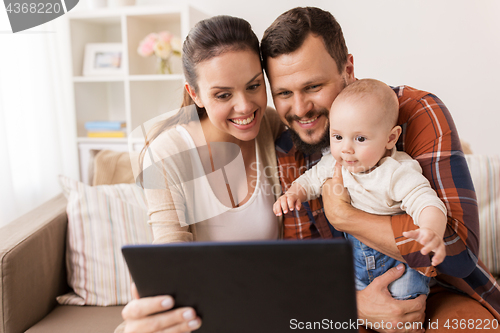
(232, 89)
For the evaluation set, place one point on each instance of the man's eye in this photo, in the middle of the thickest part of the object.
(337, 137)
(284, 93)
(361, 139)
(314, 87)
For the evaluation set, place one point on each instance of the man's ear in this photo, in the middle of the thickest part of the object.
(190, 90)
(349, 69)
(393, 137)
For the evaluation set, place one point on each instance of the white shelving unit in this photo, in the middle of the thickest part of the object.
(138, 94)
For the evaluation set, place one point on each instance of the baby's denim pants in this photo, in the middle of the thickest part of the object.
(369, 263)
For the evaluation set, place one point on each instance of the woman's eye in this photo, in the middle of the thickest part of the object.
(223, 96)
(254, 86)
(361, 139)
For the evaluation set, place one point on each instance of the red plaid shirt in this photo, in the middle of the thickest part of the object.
(429, 136)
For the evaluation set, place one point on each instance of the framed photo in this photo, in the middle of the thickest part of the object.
(103, 59)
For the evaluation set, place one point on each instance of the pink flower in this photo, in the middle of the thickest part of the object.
(146, 47)
(162, 50)
(163, 44)
(176, 45)
(165, 36)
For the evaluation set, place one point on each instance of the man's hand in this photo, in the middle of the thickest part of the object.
(431, 242)
(339, 202)
(375, 304)
(287, 201)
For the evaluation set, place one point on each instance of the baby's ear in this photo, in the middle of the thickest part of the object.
(393, 137)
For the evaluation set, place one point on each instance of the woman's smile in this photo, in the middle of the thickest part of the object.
(244, 121)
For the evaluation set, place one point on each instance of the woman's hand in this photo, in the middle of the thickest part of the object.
(376, 305)
(154, 314)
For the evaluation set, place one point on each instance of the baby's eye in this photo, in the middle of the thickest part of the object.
(337, 137)
(360, 139)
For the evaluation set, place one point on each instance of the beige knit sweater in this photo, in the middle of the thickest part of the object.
(170, 210)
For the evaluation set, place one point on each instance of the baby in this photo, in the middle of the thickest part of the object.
(380, 180)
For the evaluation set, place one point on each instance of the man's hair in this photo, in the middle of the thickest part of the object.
(365, 88)
(288, 32)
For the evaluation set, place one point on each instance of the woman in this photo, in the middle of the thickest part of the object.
(222, 66)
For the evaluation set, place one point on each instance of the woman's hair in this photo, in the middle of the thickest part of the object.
(289, 31)
(209, 38)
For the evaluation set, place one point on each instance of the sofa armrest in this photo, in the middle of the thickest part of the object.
(32, 265)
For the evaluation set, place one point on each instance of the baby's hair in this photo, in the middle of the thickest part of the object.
(373, 88)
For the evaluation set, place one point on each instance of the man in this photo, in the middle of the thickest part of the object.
(306, 60)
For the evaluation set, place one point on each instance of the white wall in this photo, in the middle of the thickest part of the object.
(448, 47)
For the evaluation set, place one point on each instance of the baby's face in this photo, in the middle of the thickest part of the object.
(358, 135)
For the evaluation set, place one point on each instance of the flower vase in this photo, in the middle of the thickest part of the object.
(163, 66)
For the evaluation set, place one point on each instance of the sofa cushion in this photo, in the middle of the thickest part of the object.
(485, 173)
(79, 319)
(113, 167)
(101, 219)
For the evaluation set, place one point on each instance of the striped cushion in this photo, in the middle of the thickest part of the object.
(485, 172)
(101, 220)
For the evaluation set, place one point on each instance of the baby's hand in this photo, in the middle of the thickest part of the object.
(431, 242)
(285, 202)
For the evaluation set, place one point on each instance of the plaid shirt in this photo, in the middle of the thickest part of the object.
(429, 136)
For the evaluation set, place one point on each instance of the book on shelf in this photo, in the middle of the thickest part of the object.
(106, 134)
(104, 125)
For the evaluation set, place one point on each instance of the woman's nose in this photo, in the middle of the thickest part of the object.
(243, 104)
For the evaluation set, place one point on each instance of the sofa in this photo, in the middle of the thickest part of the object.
(33, 264)
(33, 273)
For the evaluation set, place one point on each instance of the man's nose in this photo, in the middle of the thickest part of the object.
(302, 105)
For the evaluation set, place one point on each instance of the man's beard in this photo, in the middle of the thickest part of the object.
(305, 147)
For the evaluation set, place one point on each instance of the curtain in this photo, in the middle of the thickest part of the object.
(37, 122)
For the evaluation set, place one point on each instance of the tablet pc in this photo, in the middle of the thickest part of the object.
(265, 286)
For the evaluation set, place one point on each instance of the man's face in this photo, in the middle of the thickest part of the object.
(304, 84)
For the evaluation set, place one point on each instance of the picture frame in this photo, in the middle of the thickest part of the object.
(103, 59)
